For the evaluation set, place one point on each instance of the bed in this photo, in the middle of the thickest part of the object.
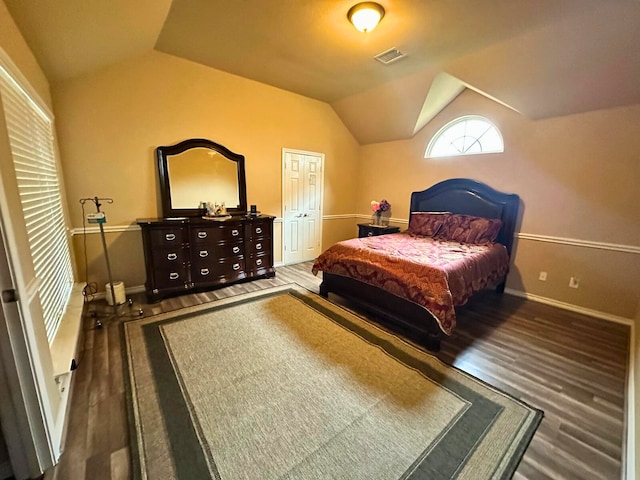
(415, 279)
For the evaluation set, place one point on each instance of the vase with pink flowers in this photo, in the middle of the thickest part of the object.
(379, 209)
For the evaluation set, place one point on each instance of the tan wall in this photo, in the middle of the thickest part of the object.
(576, 177)
(125, 256)
(14, 45)
(338, 229)
(109, 124)
(574, 174)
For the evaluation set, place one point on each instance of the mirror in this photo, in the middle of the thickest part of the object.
(199, 170)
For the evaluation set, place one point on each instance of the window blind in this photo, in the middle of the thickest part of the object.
(33, 150)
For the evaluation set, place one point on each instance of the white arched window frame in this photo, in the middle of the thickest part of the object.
(468, 135)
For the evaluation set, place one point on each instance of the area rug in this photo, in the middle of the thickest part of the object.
(283, 384)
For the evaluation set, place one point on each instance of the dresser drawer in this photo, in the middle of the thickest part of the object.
(169, 258)
(259, 245)
(206, 251)
(218, 271)
(260, 262)
(213, 262)
(172, 278)
(368, 230)
(232, 267)
(216, 234)
(204, 272)
(168, 237)
(260, 229)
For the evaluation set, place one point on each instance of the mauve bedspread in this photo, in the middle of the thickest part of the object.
(436, 274)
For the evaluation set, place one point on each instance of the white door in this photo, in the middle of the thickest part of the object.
(302, 179)
(24, 410)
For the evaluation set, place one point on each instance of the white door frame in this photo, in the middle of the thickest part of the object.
(30, 406)
(321, 205)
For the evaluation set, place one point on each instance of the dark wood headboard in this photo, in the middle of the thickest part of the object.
(465, 196)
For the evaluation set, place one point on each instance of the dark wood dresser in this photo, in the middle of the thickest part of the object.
(191, 254)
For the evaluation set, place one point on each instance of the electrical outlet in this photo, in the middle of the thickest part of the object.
(574, 282)
(542, 277)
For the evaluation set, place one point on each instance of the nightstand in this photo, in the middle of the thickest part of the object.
(369, 230)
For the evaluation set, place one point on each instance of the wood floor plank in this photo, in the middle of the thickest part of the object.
(118, 422)
(570, 365)
(98, 420)
(98, 466)
(120, 464)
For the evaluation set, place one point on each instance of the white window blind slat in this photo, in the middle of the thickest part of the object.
(34, 157)
(32, 212)
(33, 172)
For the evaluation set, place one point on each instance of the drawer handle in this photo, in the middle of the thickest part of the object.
(204, 271)
(258, 230)
(235, 249)
(236, 266)
(258, 246)
(174, 276)
(203, 253)
(170, 236)
(235, 232)
(202, 234)
(259, 262)
(370, 234)
(172, 256)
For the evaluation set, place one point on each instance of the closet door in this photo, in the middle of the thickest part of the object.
(302, 205)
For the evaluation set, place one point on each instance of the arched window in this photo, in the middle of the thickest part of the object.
(466, 135)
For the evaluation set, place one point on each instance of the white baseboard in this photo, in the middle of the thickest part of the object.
(128, 291)
(135, 289)
(568, 306)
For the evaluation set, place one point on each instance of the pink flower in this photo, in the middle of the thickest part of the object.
(381, 206)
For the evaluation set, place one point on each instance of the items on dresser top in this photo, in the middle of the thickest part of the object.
(186, 254)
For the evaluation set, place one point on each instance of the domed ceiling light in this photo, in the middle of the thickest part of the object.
(365, 16)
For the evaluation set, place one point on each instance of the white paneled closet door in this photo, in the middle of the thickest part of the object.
(302, 180)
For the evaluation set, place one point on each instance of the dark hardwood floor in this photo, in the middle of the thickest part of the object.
(569, 365)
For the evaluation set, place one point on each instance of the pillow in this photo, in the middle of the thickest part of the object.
(427, 224)
(470, 229)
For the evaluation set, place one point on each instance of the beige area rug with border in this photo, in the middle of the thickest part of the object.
(283, 384)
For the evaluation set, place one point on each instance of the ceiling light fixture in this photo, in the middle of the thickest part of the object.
(365, 16)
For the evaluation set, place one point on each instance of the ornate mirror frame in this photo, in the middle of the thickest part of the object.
(163, 154)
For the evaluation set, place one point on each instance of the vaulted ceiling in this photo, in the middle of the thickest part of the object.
(542, 58)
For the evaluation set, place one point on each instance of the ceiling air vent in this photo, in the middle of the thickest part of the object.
(391, 55)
